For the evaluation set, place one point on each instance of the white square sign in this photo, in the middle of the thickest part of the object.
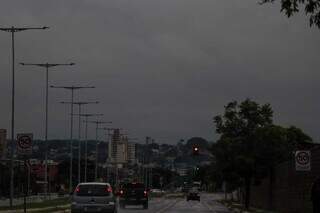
(303, 160)
(24, 143)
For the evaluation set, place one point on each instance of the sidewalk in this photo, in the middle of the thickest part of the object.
(237, 208)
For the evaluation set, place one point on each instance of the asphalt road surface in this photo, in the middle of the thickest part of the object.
(180, 205)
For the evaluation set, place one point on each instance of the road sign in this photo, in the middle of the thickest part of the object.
(303, 160)
(24, 143)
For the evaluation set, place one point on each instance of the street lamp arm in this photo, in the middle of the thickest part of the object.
(47, 64)
(87, 115)
(18, 29)
(70, 87)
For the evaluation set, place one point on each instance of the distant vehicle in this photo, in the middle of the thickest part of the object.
(179, 189)
(197, 184)
(156, 191)
(133, 194)
(93, 197)
(193, 194)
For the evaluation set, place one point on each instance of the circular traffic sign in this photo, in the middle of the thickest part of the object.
(24, 142)
(303, 158)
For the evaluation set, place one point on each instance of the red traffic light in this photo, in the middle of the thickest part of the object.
(195, 150)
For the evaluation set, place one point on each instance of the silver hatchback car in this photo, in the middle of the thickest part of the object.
(93, 197)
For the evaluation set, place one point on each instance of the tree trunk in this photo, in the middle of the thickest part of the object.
(271, 182)
(247, 192)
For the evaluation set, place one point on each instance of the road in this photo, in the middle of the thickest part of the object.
(208, 204)
(180, 205)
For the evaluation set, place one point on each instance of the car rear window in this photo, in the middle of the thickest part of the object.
(92, 190)
(134, 185)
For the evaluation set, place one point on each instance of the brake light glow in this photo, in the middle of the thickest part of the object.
(77, 189)
(109, 189)
(121, 192)
(145, 193)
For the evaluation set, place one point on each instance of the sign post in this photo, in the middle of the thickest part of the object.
(3, 143)
(303, 160)
(25, 149)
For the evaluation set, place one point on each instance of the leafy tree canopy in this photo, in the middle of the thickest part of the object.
(311, 8)
(250, 145)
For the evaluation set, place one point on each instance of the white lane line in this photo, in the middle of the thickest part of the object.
(168, 207)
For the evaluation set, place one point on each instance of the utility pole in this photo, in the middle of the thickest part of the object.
(71, 88)
(79, 132)
(47, 66)
(13, 30)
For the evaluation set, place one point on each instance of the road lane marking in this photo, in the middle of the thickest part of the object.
(169, 206)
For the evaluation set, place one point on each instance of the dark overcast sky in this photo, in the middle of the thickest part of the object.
(162, 68)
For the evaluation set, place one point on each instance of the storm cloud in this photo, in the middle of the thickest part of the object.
(162, 68)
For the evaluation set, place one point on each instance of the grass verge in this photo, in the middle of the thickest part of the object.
(39, 205)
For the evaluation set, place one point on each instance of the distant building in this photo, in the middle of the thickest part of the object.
(121, 153)
(131, 153)
(113, 145)
(120, 150)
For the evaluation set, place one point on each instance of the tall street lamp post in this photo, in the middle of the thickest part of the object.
(79, 132)
(86, 143)
(72, 88)
(47, 66)
(13, 30)
(97, 128)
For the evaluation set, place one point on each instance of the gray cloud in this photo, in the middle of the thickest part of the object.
(162, 68)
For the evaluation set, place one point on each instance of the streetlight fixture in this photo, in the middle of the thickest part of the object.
(72, 88)
(97, 127)
(79, 131)
(13, 30)
(47, 66)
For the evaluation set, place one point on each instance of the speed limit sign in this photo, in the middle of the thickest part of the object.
(303, 160)
(24, 143)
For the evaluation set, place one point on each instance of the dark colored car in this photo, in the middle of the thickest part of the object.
(93, 197)
(193, 194)
(133, 194)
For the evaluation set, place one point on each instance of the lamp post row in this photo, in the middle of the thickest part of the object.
(13, 30)
(79, 132)
(71, 88)
(47, 66)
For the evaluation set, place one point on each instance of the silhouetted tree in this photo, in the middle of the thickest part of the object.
(250, 145)
(311, 8)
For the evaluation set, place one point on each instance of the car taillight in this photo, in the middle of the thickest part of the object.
(109, 189)
(121, 192)
(77, 189)
(145, 193)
